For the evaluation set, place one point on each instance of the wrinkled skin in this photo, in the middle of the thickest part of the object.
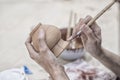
(45, 58)
(91, 39)
(91, 36)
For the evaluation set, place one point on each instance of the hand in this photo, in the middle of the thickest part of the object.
(45, 57)
(91, 36)
(76, 43)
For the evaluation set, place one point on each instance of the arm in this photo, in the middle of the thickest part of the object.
(91, 38)
(110, 60)
(46, 58)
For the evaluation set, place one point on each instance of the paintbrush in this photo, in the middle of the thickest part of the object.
(94, 19)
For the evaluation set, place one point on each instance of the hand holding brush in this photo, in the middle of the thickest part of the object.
(94, 19)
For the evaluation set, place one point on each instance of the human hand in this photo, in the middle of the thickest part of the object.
(76, 43)
(46, 58)
(91, 35)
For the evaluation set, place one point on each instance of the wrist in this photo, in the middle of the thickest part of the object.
(57, 70)
(98, 53)
(58, 73)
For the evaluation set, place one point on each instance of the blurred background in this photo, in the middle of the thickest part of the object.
(17, 17)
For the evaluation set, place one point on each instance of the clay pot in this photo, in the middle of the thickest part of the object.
(53, 39)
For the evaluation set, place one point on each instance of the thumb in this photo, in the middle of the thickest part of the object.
(42, 43)
(41, 35)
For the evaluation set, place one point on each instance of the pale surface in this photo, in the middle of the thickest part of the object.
(18, 16)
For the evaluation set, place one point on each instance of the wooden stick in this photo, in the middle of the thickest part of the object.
(95, 18)
(75, 45)
(100, 13)
(75, 19)
(69, 25)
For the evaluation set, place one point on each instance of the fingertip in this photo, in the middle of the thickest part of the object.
(87, 19)
(88, 16)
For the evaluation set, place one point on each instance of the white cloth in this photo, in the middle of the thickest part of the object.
(13, 74)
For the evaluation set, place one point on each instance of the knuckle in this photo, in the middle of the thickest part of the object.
(89, 32)
(99, 34)
(99, 29)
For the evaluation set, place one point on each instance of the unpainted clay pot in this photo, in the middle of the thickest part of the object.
(53, 39)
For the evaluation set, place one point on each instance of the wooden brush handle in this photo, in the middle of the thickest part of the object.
(95, 18)
(100, 13)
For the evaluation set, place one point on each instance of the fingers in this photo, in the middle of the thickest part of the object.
(88, 32)
(30, 48)
(81, 22)
(97, 30)
(85, 20)
(43, 48)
